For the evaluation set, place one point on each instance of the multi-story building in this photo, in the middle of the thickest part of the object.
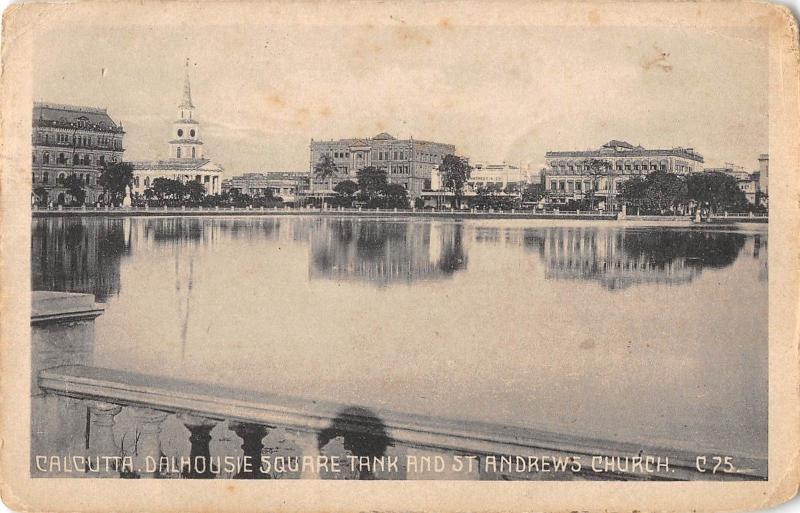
(285, 185)
(567, 175)
(408, 162)
(187, 160)
(72, 140)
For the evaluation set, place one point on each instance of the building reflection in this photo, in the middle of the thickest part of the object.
(79, 255)
(620, 258)
(386, 252)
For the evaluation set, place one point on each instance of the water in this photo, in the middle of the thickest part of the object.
(641, 334)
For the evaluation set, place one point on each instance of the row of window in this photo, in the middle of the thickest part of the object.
(571, 186)
(85, 159)
(87, 141)
(45, 178)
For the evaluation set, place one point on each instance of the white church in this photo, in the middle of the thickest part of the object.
(187, 160)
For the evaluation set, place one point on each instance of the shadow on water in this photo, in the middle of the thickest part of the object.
(363, 432)
(618, 259)
(386, 252)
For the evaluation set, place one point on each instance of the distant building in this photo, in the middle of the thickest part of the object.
(286, 185)
(408, 162)
(72, 140)
(763, 173)
(749, 182)
(568, 177)
(187, 160)
(499, 175)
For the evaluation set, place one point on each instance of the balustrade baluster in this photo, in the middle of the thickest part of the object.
(102, 447)
(200, 453)
(148, 445)
(252, 436)
(308, 443)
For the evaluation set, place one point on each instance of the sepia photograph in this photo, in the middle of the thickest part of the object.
(364, 242)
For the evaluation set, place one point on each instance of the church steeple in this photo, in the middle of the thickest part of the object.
(186, 103)
(185, 130)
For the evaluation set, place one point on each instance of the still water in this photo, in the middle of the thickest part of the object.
(616, 331)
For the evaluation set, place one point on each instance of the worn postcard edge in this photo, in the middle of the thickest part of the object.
(19, 492)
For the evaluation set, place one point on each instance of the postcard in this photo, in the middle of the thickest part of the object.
(399, 256)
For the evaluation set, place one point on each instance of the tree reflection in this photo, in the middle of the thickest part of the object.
(620, 258)
(384, 252)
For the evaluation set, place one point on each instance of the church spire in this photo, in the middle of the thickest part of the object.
(186, 103)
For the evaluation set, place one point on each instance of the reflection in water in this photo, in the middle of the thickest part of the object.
(620, 258)
(79, 255)
(463, 324)
(386, 252)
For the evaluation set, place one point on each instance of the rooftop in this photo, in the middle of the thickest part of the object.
(58, 114)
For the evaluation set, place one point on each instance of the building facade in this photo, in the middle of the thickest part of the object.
(408, 162)
(286, 185)
(186, 160)
(71, 140)
(497, 175)
(568, 177)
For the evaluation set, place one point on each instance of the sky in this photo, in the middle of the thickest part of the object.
(498, 93)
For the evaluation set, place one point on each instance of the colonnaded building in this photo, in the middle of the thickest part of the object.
(567, 175)
(408, 162)
(71, 140)
(187, 160)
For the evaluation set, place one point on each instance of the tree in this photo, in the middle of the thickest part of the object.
(665, 191)
(74, 186)
(195, 191)
(41, 195)
(597, 168)
(455, 172)
(634, 191)
(371, 181)
(168, 188)
(533, 193)
(114, 178)
(346, 188)
(325, 169)
(718, 191)
(396, 196)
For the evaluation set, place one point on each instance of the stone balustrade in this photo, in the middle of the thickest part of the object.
(115, 423)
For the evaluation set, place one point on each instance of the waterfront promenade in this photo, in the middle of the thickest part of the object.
(724, 218)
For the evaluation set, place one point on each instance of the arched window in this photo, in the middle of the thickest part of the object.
(136, 181)
(87, 179)
(88, 160)
(102, 159)
(33, 177)
(193, 156)
(45, 177)
(76, 159)
(61, 159)
(60, 178)
(179, 152)
(147, 181)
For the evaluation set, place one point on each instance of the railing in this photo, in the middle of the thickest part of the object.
(368, 438)
(416, 212)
